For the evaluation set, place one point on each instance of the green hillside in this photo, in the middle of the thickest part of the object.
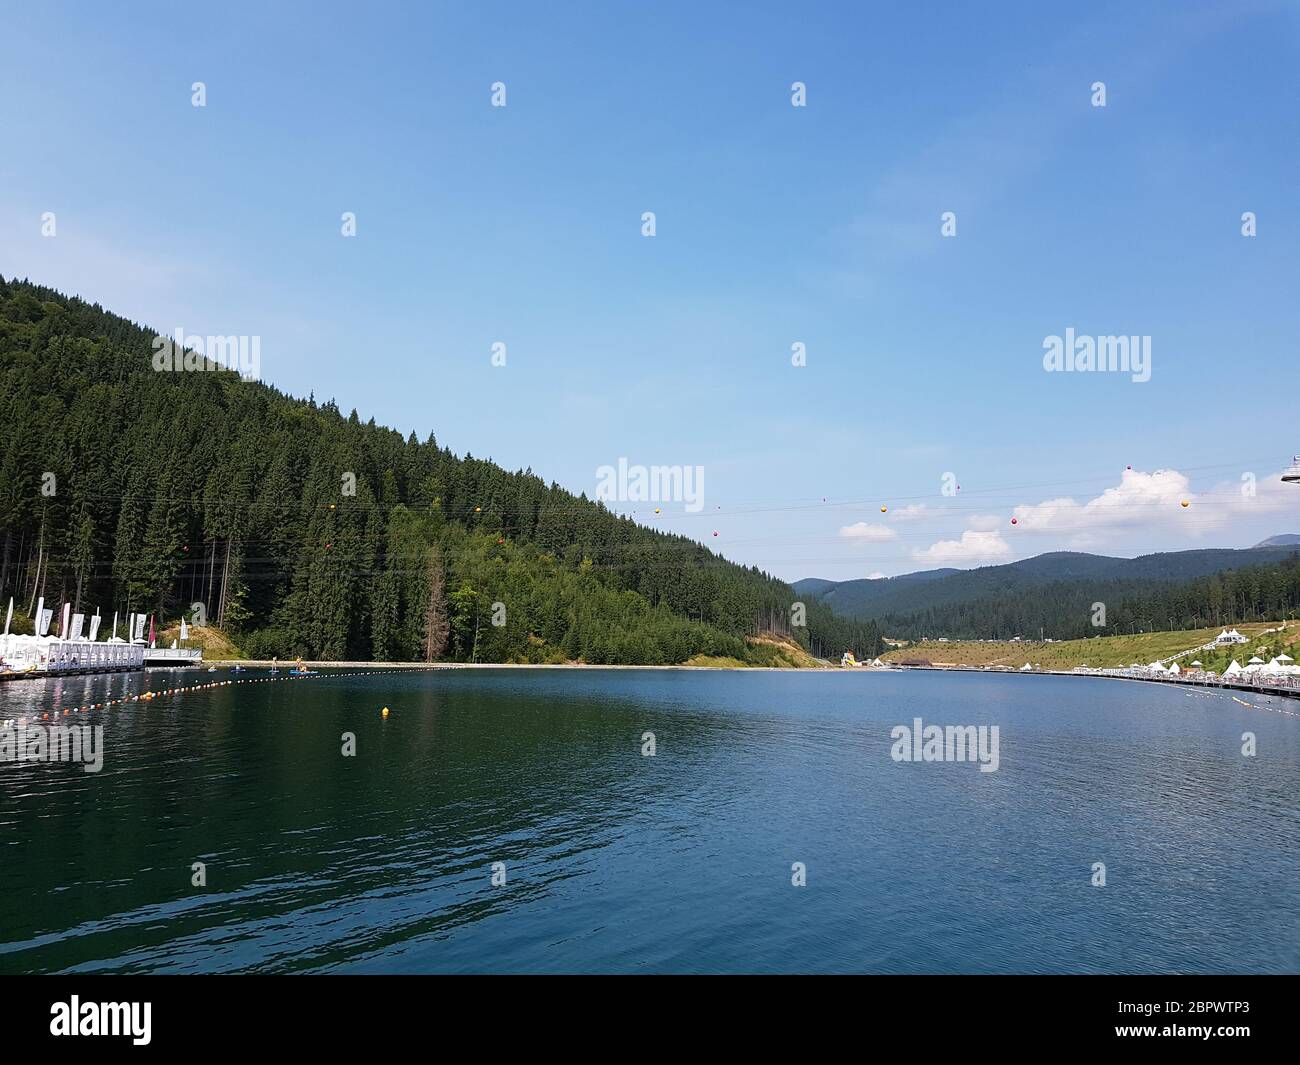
(1107, 652)
(305, 531)
(1056, 593)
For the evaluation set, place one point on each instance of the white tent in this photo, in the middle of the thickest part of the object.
(1233, 669)
(1174, 669)
(1281, 668)
(1285, 658)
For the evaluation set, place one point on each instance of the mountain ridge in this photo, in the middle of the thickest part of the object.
(864, 598)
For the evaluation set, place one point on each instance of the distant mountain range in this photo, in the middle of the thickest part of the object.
(925, 590)
(1282, 540)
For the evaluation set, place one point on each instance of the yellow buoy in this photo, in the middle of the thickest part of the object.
(384, 711)
(1187, 503)
(883, 510)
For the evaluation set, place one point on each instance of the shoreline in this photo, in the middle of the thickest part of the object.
(397, 667)
(1291, 693)
(1203, 685)
(430, 666)
(251, 663)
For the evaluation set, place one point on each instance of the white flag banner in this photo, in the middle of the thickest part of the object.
(78, 620)
(137, 627)
(63, 625)
(43, 628)
(40, 613)
(94, 627)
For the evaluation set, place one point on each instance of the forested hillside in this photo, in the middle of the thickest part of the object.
(306, 531)
(1029, 583)
(1065, 610)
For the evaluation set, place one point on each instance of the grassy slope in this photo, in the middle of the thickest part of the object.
(216, 645)
(1101, 652)
(766, 651)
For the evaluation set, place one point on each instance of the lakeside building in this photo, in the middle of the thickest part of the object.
(40, 655)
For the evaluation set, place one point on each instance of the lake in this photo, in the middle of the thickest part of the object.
(507, 820)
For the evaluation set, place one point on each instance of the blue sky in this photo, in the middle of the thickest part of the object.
(775, 225)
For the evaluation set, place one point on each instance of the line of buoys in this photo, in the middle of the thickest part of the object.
(1271, 709)
(150, 694)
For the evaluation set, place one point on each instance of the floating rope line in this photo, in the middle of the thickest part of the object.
(1270, 709)
(150, 694)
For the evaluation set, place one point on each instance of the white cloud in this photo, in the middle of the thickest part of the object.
(1232, 500)
(867, 533)
(973, 547)
(1139, 499)
(1154, 502)
(985, 522)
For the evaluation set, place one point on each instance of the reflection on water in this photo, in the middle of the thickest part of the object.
(678, 862)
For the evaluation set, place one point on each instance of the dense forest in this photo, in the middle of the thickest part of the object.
(304, 531)
(1065, 610)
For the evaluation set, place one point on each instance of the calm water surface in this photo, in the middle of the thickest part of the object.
(679, 862)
